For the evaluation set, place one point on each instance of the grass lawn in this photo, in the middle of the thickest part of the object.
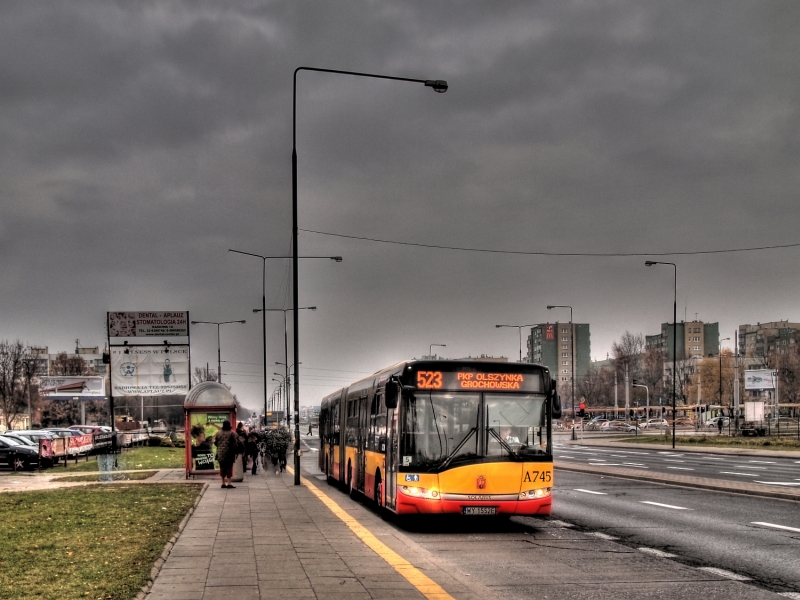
(86, 542)
(128, 476)
(145, 458)
(719, 441)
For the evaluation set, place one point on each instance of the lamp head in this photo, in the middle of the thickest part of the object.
(194, 322)
(255, 310)
(438, 85)
(649, 263)
(336, 258)
(550, 307)
(498, 325)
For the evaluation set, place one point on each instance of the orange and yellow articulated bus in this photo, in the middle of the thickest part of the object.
(445, 436)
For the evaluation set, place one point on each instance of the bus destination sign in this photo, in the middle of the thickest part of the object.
(470, 380)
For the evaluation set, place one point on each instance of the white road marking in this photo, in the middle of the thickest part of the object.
(789, 483)
(724, 573)
(673, 460)
(732, 473)
(711, 458)
(681, 468)
(658, 553)
(603, 536)
(669, 454)
(763, 462)
(638, 453)
(591, 492)
(748, 467)
(565, 456)
(562, 523)
(795, 529)
(634, 464)
(603, 464)
(664, 505)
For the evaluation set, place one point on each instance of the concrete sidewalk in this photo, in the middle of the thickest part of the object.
(271, 539)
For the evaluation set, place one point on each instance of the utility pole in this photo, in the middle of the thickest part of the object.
(627, 397)
(616, 403)
(736, 382)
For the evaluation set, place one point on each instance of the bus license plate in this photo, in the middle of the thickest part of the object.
(479, 510)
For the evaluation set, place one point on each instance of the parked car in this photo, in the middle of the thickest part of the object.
(90, 429)
(33, 435)
(62, 431)
(17, 456)
(655, 424)
(713, 422)
(21, 439)
(595, 425)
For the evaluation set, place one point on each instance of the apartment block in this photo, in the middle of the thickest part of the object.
(695, 339)
(551, 344)
(763, 339)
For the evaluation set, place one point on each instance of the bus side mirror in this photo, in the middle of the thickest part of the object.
(391, 394)
(556, 406)
(556, 401)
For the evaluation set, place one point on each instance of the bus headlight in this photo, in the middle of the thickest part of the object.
(419, 492)
(537, 493)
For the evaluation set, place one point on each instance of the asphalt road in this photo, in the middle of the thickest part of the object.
(753, 537)
(780, 472)
(606, 544)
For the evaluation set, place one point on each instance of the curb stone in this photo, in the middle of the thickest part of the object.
(168, 548)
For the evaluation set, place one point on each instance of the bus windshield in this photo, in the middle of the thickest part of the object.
(442, 429)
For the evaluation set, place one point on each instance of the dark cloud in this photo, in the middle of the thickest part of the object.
(140, 141)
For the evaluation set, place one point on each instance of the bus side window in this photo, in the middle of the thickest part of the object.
(380, 426)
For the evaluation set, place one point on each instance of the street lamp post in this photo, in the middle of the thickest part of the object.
(650, 263)
(430, 348)
(647, 409)
(520, 328)
(264, 306)
(438, 86)
(286, 347)
(720, 371)
(219, 352)
(572, 353)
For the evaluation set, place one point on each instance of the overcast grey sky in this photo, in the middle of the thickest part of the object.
(139, 141)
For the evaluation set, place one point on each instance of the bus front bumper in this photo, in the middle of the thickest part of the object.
(499, 505)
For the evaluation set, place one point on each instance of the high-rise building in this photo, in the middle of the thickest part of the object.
(763, 339)
(550, 344)
(695, 339)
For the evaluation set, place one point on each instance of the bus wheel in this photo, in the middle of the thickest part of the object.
(328, 471)
(378, 492)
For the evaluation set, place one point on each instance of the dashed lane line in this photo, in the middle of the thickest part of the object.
(786, 483)
(664, 505)
(733, 473)
(774, 526)
(659, 553)
(603, 536)
(763, 462)
(426, 586)
(724, 573)
(590, 492)
(681, 468)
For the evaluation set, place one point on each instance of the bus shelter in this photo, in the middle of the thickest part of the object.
(206, 406)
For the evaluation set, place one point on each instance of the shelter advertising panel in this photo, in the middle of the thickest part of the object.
(759, 379)
(69, 387)
(203, 428)
(148, 324)
(149, 370)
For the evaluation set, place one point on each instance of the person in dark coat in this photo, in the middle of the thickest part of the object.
(252, 449)
(241, 433)
(227, 444)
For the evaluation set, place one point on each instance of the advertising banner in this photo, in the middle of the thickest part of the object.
(148, 324)
(80, 444)
(102, 441)
(203, 428)
(149, 370)
(69, 387)
(759, 379)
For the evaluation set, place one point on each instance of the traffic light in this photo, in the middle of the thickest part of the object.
(582, 410)
(663, 409)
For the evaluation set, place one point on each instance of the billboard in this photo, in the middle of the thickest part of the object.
(148, 324)
(149, 370)
(759, 379)
(69, 386)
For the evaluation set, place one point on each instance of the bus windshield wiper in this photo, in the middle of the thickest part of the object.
(503, 443)
(453, 454)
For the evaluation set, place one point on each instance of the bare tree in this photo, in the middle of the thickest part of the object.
(12, 396)
(597, 386)
(65, 364)
(629, 350)
(200, 375)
